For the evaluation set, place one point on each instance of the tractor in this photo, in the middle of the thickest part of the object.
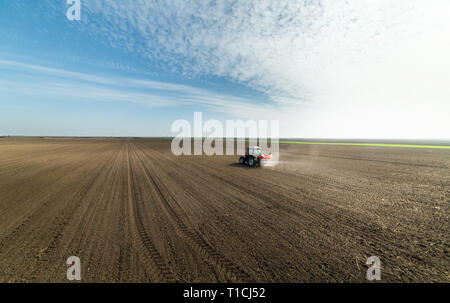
(254, 156)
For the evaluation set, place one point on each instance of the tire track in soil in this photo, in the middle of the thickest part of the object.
(225, 267)
(109, 196)
(353, 224)
(73, 164)
(124, 265)
(89, 184)
(44, 206)
(47, 255)
(124, 260)
(320, 231)
(254, 190)
(159, 270)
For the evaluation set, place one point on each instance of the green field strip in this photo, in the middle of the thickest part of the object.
(343, 143)
(367, 144)
(364, 144)
(354, 144)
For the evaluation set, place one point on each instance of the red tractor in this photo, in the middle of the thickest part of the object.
(254, 156)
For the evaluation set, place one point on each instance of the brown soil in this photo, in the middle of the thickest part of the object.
(133, 212)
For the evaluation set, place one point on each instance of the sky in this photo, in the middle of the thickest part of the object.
(324, 69)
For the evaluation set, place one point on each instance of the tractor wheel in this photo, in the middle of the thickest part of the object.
(242, 160)
(251, 162)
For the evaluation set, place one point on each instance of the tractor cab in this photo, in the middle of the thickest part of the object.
(254, 156)
(254, 151)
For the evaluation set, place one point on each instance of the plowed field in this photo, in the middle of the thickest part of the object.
(134, 212)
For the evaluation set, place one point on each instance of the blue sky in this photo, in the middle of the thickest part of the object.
(342, 69)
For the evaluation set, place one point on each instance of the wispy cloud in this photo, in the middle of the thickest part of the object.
(55, 72)
(313, 59)
(62, 84)
(283, 48)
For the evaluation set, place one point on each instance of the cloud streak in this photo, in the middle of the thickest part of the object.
(62, 85)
